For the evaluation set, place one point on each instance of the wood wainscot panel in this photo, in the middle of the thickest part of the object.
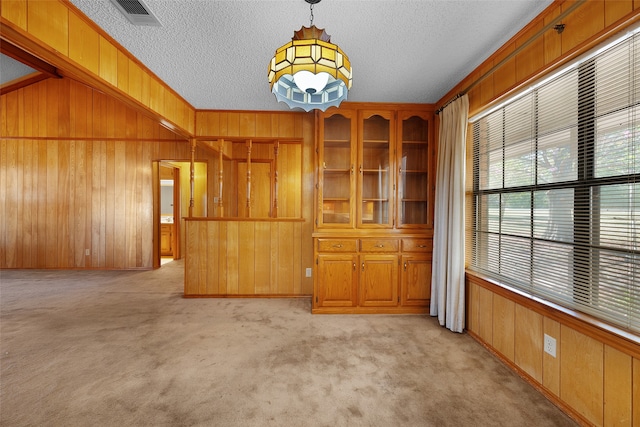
(581, 374)
(618, 393)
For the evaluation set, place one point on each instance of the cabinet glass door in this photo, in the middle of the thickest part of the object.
(413, 170)
(376, 183)
(336, 171)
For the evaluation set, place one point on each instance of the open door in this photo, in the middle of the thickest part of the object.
(169, 217)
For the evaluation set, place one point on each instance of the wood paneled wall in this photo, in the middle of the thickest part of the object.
(593, 376)
(584, 27)
(76, 175)
(61, 35)
(245, 258)
(274, 253)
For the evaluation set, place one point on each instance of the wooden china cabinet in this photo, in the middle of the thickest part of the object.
(374, 209)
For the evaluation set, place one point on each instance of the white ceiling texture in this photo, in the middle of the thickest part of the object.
(215, 53)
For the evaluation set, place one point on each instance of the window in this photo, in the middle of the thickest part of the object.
(556, 187)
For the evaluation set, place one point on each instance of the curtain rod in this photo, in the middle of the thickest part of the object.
(553, 24)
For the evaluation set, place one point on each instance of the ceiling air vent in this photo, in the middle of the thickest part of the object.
(137, 12)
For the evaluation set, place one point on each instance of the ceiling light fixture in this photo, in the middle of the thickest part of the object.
(310, 72)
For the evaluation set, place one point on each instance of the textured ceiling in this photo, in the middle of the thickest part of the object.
(215, 53)
(10, 69)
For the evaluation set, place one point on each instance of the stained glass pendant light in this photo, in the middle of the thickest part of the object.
(310, 72)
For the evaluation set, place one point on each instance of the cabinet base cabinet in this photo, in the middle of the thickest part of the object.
(371, 275)
(338, 274)
(379, 281)
(416, 280)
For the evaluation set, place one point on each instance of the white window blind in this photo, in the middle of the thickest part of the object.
(556, 188)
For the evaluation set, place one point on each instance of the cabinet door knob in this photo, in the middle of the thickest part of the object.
(363, 266)
(352, 169)
(379, 246)
(422, 246)
(337, 246)
(354, 266)
(405, 266)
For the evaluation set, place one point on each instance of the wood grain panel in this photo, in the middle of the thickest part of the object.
(76, 192)
(232, 255)
(581, 374)
(473, 303)
(636, 392)
(550, 364)
(485, 315)
(528, 341)
(49, 21)
(504, 77)
(15, 11)
(262, 246)
(617, 387)
(531, 58)
(616, 9)
(108, 62)
(287, 257)
(84, 44)
(552, 40)
(503, 326)
(582, 23)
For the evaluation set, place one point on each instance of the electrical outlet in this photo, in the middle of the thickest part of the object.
(87, 252)
(550, 345)
(308, 272)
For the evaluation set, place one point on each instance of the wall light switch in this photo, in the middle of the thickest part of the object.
(308, 273)
(87, 252)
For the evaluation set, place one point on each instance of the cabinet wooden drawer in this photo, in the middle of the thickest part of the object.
(336, 245)
(379, 245)
(416, 245)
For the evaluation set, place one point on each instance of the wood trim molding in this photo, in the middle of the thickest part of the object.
(23, 82)
(28, 59)
(613, 336)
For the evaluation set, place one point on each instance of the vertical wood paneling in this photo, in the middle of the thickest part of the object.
(505, 76)
(616, 9)
(69, 192)
(11, 201)
(263, 257)
(232, 258)
(531, 58)
(15, 11)
(49, 21)
(617, 387)
(108, 61)
(550, 364)
(84, 44)
(285, 250)
(191, 258)
(636, 392)
(503, 326)
(581, 374)
(485, 315)
(528, 336)
(246, 265)
(51, 232)
(582, 23)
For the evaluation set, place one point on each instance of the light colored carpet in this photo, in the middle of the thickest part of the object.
(112, 348)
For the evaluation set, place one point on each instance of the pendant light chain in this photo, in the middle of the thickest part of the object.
(311, 17)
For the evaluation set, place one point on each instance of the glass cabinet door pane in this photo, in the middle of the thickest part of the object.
(336, 170)
(375, 182)
(414, 171)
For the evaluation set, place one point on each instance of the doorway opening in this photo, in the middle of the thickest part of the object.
(172, 192)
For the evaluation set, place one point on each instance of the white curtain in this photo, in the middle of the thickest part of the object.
(447, 281)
